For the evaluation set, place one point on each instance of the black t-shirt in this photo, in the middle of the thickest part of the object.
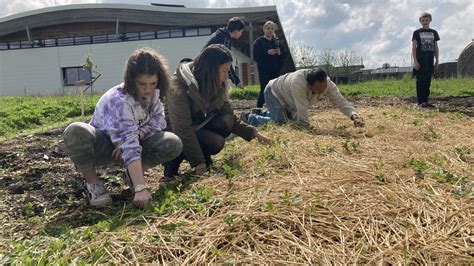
(425, 41)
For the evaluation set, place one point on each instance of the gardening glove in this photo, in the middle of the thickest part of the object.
(358, 121)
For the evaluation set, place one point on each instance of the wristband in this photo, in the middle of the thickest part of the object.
(140, 188)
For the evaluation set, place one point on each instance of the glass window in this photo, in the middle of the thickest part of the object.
(163, 34)
(132, 36)
(148, 35)
(176, 33)
(73, 74)
(14, 45)
(26, 44)
(204, 31)
(113, 38)
(49, 42)
(82, 40)
(65, 41)
(191, 32)
(3, 46)
(99, 38)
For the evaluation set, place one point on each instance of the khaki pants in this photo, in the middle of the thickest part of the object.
(88, 147)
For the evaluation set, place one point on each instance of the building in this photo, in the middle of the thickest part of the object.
(42, 51)
(466, 61)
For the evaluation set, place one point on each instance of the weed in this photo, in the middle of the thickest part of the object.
(229, 219)
(291, 198)
(431, 134)
(418, 166)
(380, 177)
(350, 146)
(324, 148)
(380, 127)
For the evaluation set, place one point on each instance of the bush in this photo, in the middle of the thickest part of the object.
(249, 93)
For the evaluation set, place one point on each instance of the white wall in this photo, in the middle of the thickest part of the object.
(39, 69)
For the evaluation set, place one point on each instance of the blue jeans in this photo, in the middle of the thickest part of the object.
(277, 112)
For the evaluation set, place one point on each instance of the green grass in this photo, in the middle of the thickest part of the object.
(407, 87)
(25, 115)
(389, 87)
(20, 114)
(249, 93)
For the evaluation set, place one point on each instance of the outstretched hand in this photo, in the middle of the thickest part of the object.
(263, 139)
(142, 198)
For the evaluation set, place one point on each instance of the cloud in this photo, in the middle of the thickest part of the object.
(10, 7)
(378, 31)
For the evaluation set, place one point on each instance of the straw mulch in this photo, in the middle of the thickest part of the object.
(335, 194)
(398, 191)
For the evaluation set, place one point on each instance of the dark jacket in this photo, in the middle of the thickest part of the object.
(186, 110)
(268, 64)
(222, 36)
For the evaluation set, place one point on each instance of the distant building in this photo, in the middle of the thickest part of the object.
(466, 61)
(379, 73)
(41, 51)
(446, 70)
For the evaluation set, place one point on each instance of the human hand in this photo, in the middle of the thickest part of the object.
(358, 121)
(263, 139)
(142, 198)
(240, 85)
(272, 51)
(200, 169)
(141, 135)
(436, 64)
(416, 65)
(117, 154)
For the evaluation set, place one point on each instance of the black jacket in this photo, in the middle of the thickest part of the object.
(268, 64)
(222, 36)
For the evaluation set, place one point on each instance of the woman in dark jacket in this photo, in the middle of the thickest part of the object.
(269, 54)
(199, 110)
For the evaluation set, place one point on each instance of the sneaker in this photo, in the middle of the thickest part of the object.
(127, 179)
(430, 105)
(244, 116)
(424, 105)
(98, 194)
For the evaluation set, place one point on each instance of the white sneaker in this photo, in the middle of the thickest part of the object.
(98, 194)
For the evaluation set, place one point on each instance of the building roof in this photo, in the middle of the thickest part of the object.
(96, 19)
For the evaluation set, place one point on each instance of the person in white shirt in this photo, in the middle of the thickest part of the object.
(289, 96)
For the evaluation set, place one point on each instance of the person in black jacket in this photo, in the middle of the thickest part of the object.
(269, 54)
(235, 28)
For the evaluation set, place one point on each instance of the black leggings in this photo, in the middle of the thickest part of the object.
(211, 138)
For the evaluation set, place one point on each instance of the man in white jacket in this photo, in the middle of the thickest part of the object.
(288, 97)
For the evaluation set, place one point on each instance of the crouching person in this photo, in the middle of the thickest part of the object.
(199, 110)
(288, 97)
(127, 127)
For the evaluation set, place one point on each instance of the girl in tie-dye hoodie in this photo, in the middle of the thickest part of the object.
(127, 127)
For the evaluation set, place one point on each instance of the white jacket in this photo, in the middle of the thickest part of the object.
(294, 94)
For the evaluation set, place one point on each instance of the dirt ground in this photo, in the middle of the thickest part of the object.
(36, 176)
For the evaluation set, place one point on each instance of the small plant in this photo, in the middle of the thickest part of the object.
(418, 166)
(417, 121)
(431, 134)
(380, 177)
(324, 148)
(380, 127)
(229, 219)
(461, 153)
(350, 146)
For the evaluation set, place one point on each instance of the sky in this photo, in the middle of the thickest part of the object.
(379, 31)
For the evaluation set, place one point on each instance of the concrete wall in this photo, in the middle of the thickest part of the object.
(38, 71)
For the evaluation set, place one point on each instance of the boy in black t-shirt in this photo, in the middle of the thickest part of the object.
(425, 50)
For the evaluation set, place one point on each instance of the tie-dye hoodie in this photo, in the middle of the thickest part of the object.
(120, 116)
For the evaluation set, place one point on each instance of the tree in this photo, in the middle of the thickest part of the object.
(327, 59)
(89, 65)
(346, 60)
(303, 55)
